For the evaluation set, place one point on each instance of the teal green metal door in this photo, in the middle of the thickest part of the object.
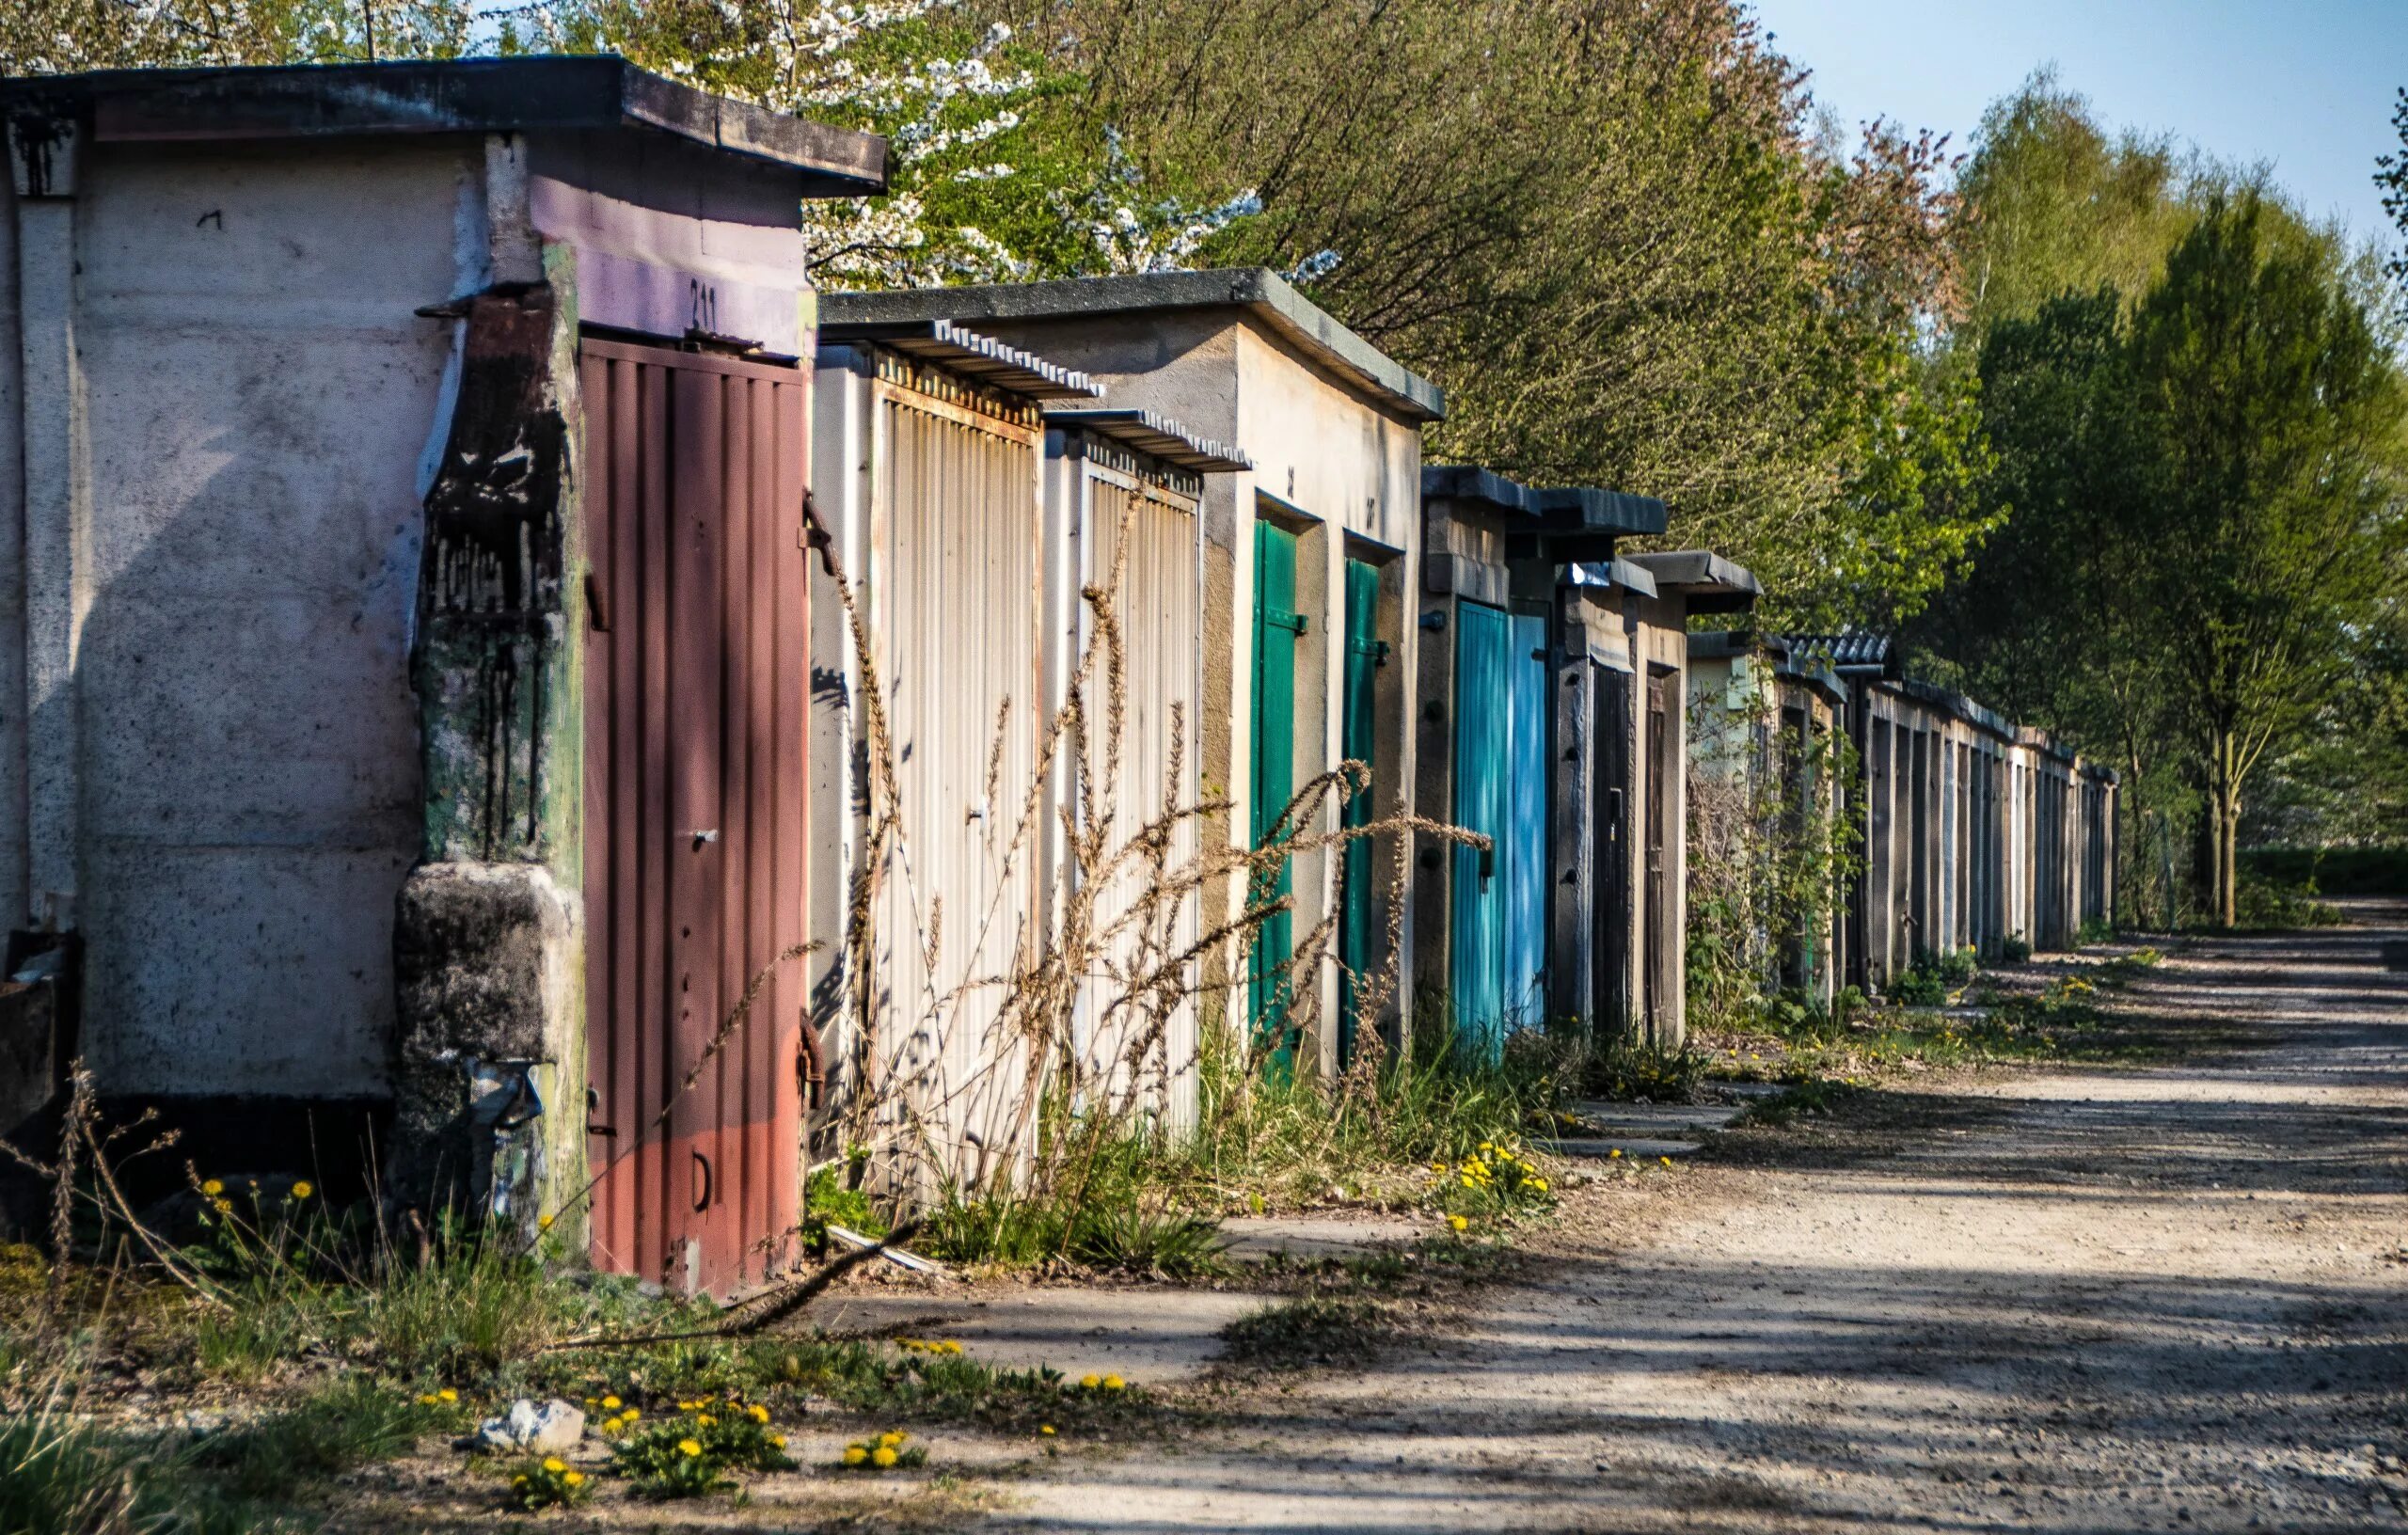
(1523, 864)
(1276, 623)
(1364, 654)
(1483, 640)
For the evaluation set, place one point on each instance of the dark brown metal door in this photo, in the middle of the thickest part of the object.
(696, 672)
(1663, 940)
(1611, 965)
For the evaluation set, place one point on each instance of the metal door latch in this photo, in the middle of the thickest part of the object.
(701, 837)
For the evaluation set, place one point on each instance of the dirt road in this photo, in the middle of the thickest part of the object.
(2173, 1297)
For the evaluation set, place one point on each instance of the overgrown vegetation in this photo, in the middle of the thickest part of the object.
(1771, 851)
(1819, 1050)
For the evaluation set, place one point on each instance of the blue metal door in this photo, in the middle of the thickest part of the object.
(1483, 638)
(1526, 848)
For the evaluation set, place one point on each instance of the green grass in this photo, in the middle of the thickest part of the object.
(61, 1473)
(338, 1428)
(875, 1378)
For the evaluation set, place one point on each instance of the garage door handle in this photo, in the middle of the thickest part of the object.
(703, 1173)
(701, 837)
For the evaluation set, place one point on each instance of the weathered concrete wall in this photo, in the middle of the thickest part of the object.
(260, 401)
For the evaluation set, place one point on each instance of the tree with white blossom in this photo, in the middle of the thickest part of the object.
(994, 175)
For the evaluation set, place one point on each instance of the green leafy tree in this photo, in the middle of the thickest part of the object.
(2052, 203)
(2270, 425)
(1612, 230)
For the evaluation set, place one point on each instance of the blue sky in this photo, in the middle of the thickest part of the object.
(2307, 85)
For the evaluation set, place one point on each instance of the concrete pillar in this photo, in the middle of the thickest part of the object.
(1573, 871)
(43, 154)
(489, 1089)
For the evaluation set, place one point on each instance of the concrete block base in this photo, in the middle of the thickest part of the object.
(489, 1107)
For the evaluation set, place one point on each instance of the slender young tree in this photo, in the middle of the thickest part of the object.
(2270, 423)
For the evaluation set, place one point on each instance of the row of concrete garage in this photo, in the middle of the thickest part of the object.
(508, 667)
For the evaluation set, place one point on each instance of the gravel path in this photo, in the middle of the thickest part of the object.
(2076, 1300)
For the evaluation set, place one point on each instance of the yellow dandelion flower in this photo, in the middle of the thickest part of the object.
(447, 1394)
(884, 1456)
(778, 1441)
(518, 1480)
(891, 1437)
(303, 1188)
(213, 1188)
(706, 1419)
(1090, 1382)
(690, 1446)
(1045, 1428)
(428, 1399)
(225, 1207)
(543, 1223)
(760, 1413)
(555, 1465)
(1114, 1382)
(856, 1454)
(610, 1402)
(575, 1479)
(631, 1415)
(1614, 1155)
(1665, 1161)
(1458, 1222)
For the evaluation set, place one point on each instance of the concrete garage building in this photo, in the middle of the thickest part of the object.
(1310, 559)
(386, 445)
(1513, 665)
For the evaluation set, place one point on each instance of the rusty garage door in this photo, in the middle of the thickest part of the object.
(695, 690)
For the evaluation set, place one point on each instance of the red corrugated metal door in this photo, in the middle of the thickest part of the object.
(696, 683)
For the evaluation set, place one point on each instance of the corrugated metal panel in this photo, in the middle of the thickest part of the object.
(1526, 843)
(956, 614)
(695, 690)
(1141, 551)
(1483, 712)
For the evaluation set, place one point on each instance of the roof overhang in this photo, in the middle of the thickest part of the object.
(1262, 292)
(981, 359)
(1706, 580)
(1156, 436)
(1581, 522)
(1610, 573)
(538, 93)
(1563, 523)
(1486, 489)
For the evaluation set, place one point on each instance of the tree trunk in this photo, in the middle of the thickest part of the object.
(2223, 828)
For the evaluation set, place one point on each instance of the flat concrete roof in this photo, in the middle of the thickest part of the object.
(1467, 483)
(1617, 572)
(1711, 583)
(1258, 290)
(541, 93)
